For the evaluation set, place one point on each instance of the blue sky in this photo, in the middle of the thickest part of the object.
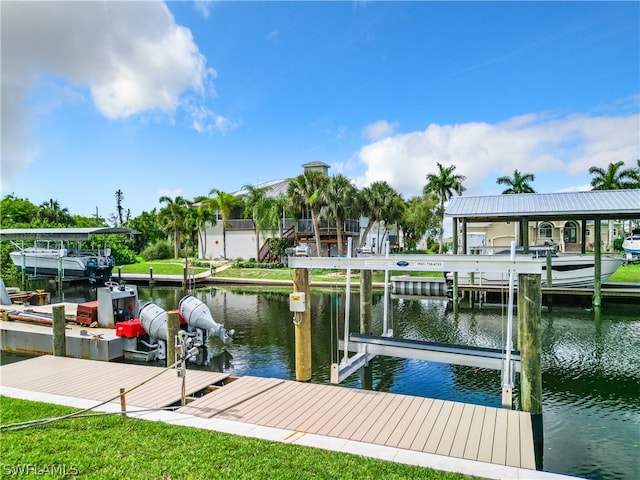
(179, 98)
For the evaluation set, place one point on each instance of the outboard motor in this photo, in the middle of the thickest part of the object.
(154, 320)
(197, 315)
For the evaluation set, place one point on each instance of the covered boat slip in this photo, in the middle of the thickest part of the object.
(595, 205)
(450, 429)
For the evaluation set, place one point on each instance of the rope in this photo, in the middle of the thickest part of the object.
(44, 421)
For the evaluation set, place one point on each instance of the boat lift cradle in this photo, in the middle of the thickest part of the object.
(366, 346)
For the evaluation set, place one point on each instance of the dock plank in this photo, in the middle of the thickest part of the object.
(513, 439)
(406, 420)
(422, 435)
(475, 431)
(462, 432)
(487, 433)
(527, 449)
(499, 453)
(450, 429)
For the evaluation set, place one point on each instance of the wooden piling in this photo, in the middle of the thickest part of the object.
(303, 325)
(366, 301)
(529, 330)
(123, 403)
(59, 338)
(173, 326)
(151, 281)
(597, 284)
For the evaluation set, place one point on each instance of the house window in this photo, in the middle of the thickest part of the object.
(588, 232)
(546, 230)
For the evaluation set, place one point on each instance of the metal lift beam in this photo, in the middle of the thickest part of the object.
(470, 356)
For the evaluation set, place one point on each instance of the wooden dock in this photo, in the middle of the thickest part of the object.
(100, 381)
(440, 427)
(456, 430)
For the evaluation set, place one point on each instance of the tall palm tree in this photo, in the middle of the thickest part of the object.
(613, 178)
(255, 204)
(519, 183)
(204, 215)
(306, 189)
(444, 184)
(172, 217)
(378, 202)
(51, 213)
(224, 203)
(338, 204)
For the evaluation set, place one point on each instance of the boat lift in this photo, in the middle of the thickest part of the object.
(366, 347)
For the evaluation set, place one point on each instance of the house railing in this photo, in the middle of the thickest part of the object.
(326, 227)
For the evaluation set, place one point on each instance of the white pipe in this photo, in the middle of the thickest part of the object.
(506, 381)
(347, 304)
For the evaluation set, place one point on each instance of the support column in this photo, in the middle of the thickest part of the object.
(597, 283)
(173, 325)
(366, 301)
(303, 326)
(583, 238)
(529, 341)
(524, 233)
(59, 337)
(455, 274)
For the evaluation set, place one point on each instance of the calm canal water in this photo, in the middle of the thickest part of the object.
(591, 366)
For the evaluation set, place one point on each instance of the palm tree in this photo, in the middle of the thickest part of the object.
(379, 202)
(224, 203)
(50, 212)
(255, 203)
(306, 189)
(338, 204)
(444, 184)
(613, 178)
(518, 184)
(172, 218)
(204, 215)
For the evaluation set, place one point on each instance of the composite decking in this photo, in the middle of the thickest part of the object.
(101, 381)
(440, 427)
(458, 430)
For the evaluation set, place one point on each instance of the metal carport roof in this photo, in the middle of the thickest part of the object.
(614, 204)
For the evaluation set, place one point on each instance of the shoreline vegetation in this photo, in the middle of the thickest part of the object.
(124, 447)
(234, 270)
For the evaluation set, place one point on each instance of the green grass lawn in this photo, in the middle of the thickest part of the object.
(114, 447)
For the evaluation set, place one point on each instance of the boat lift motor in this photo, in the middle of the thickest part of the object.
(199, 318)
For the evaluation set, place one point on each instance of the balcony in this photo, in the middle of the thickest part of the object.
(328, 228)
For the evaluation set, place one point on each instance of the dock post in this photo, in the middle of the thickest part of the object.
(530, 342)
(185, 275)
(151, 281)
(366, 301)
(59, 338)
(366, 321)
(303, 325)
(123, 403)
(119, 274)
(597, 283)
(173, 326)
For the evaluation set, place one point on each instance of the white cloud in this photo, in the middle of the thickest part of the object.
(130, 56)
(558, 148)
(203, 7)
(379, 130)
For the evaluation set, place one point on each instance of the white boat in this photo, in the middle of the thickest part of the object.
(567, 270)
(631, 243)
(95, 264)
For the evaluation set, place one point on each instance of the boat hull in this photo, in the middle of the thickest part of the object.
(572, 271)
(48, 262)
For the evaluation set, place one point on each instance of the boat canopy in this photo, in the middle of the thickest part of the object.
(64, 234)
